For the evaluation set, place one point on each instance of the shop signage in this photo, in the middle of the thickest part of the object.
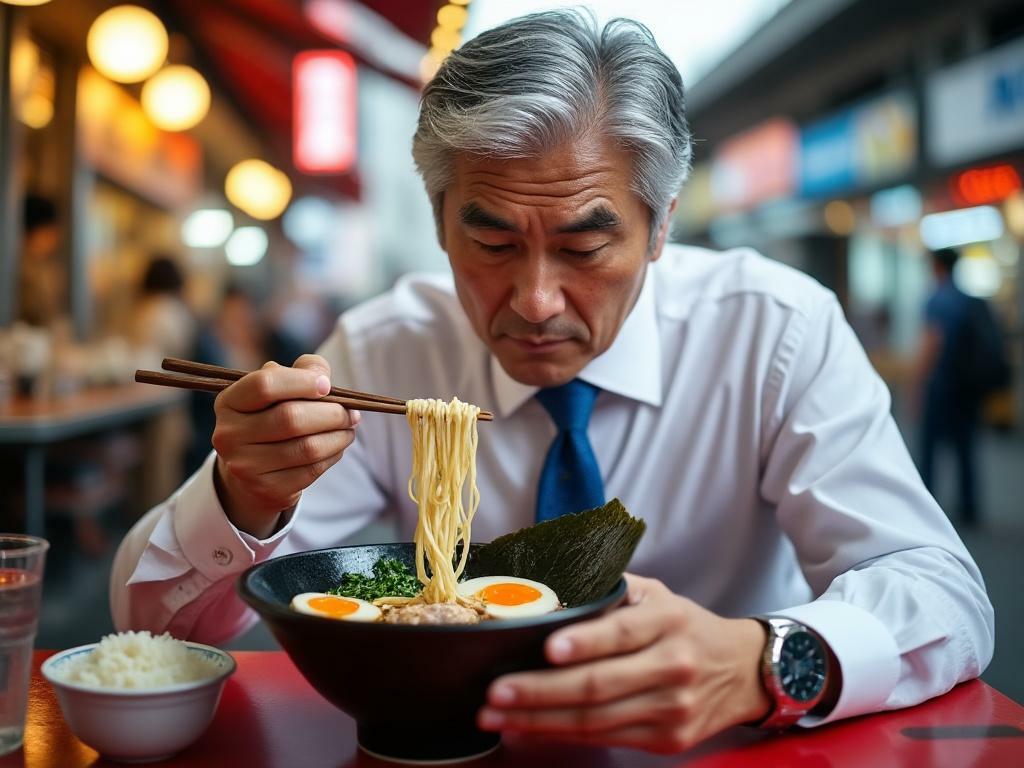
(324, 93)
(755, 166)
(976, 108)
(870, 144)
(978, 186)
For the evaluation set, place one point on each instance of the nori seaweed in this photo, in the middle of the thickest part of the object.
(580, 556)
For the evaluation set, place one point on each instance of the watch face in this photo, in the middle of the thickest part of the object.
(802, 666)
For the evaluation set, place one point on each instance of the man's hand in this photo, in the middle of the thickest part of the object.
(273, 439)
(660, 674)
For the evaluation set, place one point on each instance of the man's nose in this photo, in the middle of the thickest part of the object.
(537, 291)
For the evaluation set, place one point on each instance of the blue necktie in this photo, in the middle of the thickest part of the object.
(570, 480)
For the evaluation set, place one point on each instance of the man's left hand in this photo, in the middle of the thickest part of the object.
(659, 674)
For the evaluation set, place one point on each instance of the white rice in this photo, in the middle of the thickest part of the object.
(138, 660)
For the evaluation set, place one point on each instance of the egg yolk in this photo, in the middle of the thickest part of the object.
(335, 607)
(508, 594)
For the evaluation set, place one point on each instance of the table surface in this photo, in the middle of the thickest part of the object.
(270, 716)
(40, 420)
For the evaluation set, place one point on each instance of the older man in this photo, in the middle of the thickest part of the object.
(723, 397)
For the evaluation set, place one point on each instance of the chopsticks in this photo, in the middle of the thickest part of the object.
(213, 378)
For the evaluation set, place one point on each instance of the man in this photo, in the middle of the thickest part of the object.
(722, 397)
(960, 349)
(42, 299)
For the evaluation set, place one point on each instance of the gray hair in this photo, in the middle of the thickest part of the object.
(539, 80)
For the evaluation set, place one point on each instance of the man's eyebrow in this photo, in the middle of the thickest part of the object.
(599, 218)
(472, 215)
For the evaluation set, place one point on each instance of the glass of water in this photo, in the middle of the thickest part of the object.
(21, 587)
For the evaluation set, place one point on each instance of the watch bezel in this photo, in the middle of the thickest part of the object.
(787, 709)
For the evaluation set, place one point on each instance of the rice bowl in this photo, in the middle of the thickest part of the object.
(138, 724)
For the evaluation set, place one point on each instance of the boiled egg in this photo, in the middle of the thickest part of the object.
(335, 607)
(509, 597)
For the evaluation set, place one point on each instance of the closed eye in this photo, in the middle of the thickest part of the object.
(494, 248)
(582, 254)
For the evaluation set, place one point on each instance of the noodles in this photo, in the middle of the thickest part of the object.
(444, 441)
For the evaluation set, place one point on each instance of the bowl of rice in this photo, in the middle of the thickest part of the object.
(134, 697)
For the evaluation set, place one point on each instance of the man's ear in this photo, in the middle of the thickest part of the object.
(663, 233)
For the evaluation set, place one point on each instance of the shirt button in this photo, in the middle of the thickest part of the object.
(222, 556)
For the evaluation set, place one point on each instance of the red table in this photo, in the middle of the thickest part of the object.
(270, 716)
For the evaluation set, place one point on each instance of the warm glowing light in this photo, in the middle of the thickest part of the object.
(258, 188)
(452, 17)
(207, 228)
(325, 109)
(444, 39)
(246, 246)
(985, 185)
(95, 93)
(176, 98)
(25, 2)
(24, 66)
(459, 2)
(1013, 212)
(127, 43)
(36, 111)
(839, 217)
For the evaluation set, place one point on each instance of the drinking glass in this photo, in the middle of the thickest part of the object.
(21, 587)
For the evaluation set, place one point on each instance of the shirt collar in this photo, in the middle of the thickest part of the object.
(630, 367)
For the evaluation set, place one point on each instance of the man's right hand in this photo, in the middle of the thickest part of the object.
(274, 438)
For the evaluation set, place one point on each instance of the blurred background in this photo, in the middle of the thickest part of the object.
(218, 179)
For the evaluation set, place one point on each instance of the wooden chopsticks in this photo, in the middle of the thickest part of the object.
(213, 378)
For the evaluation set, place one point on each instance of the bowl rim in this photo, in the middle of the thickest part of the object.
(49, 666)
(263, 607)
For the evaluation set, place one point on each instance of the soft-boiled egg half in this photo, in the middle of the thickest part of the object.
(335, 607)
(509, 597)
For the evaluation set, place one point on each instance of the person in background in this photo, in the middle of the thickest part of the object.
(234, 338)
(162, 323)
(42, 285)
(961, 361)
(163, 326)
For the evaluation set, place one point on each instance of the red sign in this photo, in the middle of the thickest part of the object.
(985, 185)
(324, 94)
(756, 166)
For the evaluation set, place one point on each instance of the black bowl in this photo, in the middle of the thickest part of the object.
(414, 691)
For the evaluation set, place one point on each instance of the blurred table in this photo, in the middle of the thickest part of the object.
(33, 424)
(269, 716)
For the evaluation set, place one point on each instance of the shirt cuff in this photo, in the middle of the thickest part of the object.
(865, 649)
(208, 540)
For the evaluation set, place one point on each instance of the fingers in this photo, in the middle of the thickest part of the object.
(282, 421)
(313, 363)
(261, 458)
(638, 588)
(272, 383)
(297, 479)
(621, 631)
(664, 707)
(584, 684)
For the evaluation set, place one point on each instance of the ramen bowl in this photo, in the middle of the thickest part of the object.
(413, 690)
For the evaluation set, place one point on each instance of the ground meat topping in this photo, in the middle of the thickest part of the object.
(435, 613)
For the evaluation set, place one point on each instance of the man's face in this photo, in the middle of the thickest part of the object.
(549, 254)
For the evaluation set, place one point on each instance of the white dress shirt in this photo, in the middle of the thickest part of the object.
(738, 415)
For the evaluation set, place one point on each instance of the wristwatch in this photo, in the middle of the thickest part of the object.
(795, 670)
